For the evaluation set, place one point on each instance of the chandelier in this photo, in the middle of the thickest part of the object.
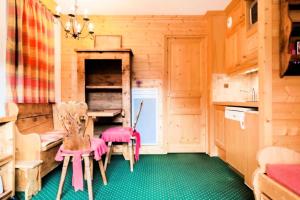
(75, 26)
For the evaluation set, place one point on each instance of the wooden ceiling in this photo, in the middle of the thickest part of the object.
(145, 7)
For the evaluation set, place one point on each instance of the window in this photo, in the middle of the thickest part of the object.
(2, 55)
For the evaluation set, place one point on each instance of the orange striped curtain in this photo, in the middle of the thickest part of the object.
(30, 52)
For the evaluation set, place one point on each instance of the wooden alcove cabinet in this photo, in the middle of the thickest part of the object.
(104, 83)
(289, 38)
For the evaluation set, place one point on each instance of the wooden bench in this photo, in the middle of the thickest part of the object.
(38, 137)
(266, 188)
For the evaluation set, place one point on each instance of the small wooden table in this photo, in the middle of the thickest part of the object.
(99, 113)
(104, 113)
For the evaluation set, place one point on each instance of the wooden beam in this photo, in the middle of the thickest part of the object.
(265, 71)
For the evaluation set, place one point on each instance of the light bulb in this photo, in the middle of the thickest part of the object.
(85, 15)
(72, 10)
(78, 28)
(68, 26)
(58, 10)
(91, 27)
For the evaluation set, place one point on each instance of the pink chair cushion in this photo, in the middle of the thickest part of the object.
(117, 134)
(122, 134)
(99, 148)
(287, 175)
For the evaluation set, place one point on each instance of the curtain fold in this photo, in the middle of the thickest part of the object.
(30, 52)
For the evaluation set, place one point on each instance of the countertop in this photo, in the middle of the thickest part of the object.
(252, 104)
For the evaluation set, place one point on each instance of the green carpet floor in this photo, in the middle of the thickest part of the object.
(171, 176)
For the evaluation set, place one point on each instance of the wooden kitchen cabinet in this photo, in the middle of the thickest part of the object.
(233, 41)
(235, 145)
(252, 146)
(7, 150)
(242, 145)
(231, 57)
(219, 130)
(241, 42)
(234, 46)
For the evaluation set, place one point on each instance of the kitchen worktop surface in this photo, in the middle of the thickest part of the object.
(252, 104)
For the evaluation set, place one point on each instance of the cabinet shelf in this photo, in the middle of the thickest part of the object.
(7, 119)
(5, 194)
(103, 87)
(295, 58)
(5, 159)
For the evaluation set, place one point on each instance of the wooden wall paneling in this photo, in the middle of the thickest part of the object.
(50, 4)
(145, 35)
(285, 95)
(216, 40)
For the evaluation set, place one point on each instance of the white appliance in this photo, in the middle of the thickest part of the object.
(237, 114)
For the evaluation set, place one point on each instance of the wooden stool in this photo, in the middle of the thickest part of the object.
(28, 177)
(123, 134)
(87, 169)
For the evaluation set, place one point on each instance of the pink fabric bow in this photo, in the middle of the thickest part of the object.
(99, 148)
(137, 145)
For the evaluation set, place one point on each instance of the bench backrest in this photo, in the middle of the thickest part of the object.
(35, 118)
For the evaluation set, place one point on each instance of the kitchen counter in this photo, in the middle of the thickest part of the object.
(252, 104)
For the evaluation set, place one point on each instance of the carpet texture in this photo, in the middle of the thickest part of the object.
(171, 176)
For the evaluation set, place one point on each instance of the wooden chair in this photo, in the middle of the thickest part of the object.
(266, 188)
(77, 145)
(125, 135)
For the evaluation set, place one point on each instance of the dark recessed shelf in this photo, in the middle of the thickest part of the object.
(103, 87)
(293, 69)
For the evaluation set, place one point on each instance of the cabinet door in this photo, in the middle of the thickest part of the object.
(219, 121)
(235, 145)
(250, 51)
(252, 146)
(231, 54)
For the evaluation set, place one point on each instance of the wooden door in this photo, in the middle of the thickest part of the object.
(185, 94)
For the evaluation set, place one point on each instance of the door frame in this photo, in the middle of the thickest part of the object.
(165, 88)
